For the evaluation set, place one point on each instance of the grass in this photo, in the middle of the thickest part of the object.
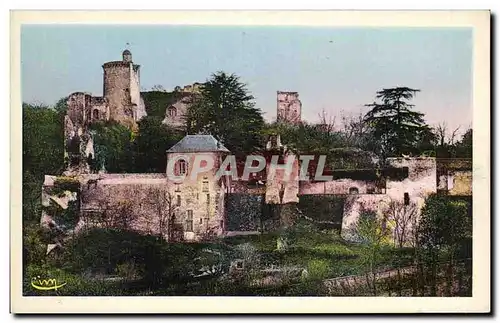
(324, 255)
(313, 247)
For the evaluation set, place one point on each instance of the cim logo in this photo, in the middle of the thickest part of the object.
(45, 284)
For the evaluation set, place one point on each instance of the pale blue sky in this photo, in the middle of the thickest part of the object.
(335, 69)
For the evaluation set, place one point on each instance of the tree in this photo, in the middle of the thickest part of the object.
(158, 88)
(356, 131)
(43, 153)
(445, 140)
(404, 219)
(61, 106)
(164, 208)
(226, 109)
(396, 128)
(112, 214)
(445, 226)
(150, 145)
(112, 146)
(464, 147)
(371, 232)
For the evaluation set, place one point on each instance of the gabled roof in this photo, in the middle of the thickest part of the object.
(197, 143)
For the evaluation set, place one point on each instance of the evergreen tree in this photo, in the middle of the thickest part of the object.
(395, 128)
(226, 110)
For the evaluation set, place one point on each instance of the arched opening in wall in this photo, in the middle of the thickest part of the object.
(95, 114)
(353, 190)
(181, 167)
(172, 112)
(406, 198)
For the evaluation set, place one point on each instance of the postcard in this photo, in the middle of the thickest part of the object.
(250, 162)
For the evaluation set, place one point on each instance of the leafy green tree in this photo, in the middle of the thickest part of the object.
(319, 139)
(150, 145)
(464, 147)
(43, 133)
(226, 109)
(112, 147)
(396, 128)
(43, 153)
(61, 106)
(445, 228)
(372, 234)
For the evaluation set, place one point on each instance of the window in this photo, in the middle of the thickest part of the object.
(206, 220)
(208, 199)
(172, 112)
(353, 190)
(177, 188)
(189, 221)
(178, 200)
(201, 221)
(95, 114)
(407, 199)
(181, 168)
(204, 185)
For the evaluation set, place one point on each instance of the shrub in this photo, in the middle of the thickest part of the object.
(129, 270)
(444, 223)
(35, 240)
(444, 233)
(318, 269)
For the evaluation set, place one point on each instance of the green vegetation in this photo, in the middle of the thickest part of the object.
(112, 146)
(395, 127)
(149, 147)
(226, 110)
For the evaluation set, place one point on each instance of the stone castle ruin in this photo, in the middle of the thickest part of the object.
(289, 107)
(203, 207)
(121, 102)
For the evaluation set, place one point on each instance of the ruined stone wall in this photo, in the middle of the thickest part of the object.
(117, 91)
(243, 212)
(339, 186)
(174, 114)
(289, 107)
(78, 143)
(140, 202)
(281, 188)
(324, 210)
(454, 176)
(353, 207)
(99, 109)
(135, 92)
(421, 181)
(461, 183)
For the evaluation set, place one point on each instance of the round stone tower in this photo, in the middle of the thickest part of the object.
(117, 83)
